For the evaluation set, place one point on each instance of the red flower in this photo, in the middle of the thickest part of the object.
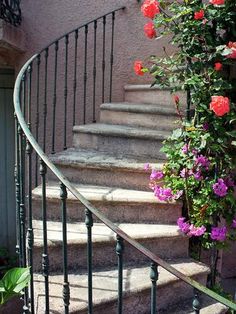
(138, 66)
(232, 46)
(150, 8)
(176, 99)
(218, 66)
(199, 15)
(220, 105)
(149, 30)
(217, 2)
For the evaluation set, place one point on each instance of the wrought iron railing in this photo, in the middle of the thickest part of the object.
(10, 11)
(39, 82)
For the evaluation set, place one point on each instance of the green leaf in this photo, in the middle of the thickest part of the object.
(16, 279)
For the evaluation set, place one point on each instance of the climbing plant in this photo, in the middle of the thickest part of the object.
(200, 153)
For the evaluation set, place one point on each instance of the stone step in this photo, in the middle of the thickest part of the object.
(96, 168)
(119, 205)
(208, 306)
(153, 95)
(141, 115)
(136, 285)
(164, 240)
(120, 139)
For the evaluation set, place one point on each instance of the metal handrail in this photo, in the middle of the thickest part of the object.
(29, 136)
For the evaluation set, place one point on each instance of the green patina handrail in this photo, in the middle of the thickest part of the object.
(95, 211)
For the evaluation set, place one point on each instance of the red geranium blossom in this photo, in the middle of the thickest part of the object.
(220, 105)
(199, 15)
(217, 2)
(150, 8)
(138, 66)
(149, 30)
(232, 46)
(218, 66)
(176, 99)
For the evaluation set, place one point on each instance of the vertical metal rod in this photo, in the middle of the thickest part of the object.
(65, 91)
(112, 54)
(22, 180)
(30, 232)
(85, 69)
(66, 288)
(45, 260)
(45, 100)
(196, 303)
(119, 252)
(103, 57)
(75, 73)
(154, 278)
(54, 102)
(37, 117)
(94, 68)
(89, 225)
(17, 191)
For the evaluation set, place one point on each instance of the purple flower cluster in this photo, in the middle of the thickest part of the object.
(166, 194)
(220, 188)
(190, 229)
(218, 233)
(156, 175)
(202, 161)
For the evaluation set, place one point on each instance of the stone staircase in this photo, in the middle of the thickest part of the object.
(106, 165)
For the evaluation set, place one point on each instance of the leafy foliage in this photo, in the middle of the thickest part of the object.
(201, 153)
(13, 282)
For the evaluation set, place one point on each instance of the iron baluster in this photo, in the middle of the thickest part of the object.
(103, 57)
(154, 278)
(45, 260)
(37, 117)
(119, 252)
(75, 73)
(85, 69)
(54, 102)
(112, 54)
(65, 91)
(17, 191)
(94, 68)
(30, 233)
(196, 303)
(89, 225)
(45, 100)
(66, 288)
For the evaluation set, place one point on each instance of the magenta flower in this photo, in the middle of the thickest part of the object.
(156, 175)
(234, 223)
(163, 194)
(198, 175)
(183, 226)
(194, 152)
(196, 231)
(185, 149)
(220, 188)
(229, 181)
(202, 161)
(178, 194)
(146, 167)
(205, 126)
(184, 173)
(218, 233)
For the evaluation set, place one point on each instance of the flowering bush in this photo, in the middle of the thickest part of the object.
(200, 155)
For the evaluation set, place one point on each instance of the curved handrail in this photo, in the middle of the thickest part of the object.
(94, 210)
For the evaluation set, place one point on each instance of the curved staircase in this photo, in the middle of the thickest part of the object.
(106, 164)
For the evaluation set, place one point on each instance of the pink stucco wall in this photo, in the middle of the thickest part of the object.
(44, 20)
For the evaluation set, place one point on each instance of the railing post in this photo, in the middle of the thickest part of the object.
(89, 225)
(75, 74)
(66, 91)
(119, 252)
(85, 70)
(66, 288)
(45, 260)
(54, 102)
(154, 278)
(196, 303)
